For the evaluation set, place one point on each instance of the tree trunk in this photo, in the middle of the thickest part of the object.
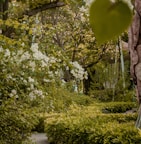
(135, 54)
(5, 9)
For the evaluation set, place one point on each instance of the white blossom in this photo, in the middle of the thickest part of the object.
(46, 80)
(7, 53)
(14, 92)
(1, 49)
(32, 65)
(24, 81)
(78, 72)
(25, 56)
(31, 86)
(36, 93)
(30, 80)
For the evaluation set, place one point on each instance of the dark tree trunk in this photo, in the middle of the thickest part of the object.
(4, 15)
(5, 9)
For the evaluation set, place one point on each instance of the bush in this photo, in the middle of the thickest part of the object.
(59, 99)
(88, 125)
(107, 95)
(126, 96)
(39, 127)
(16, 122)
(119, 107)
(81, 130)
(101, 95)
(89, 113)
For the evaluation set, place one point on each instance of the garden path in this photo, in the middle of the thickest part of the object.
(39, 138)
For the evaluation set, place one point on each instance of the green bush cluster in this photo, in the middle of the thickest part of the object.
(16, 122)
(95, 112)
(96, 130)
(107, 95)
(119, 107)
(101, 95)
(40, 126)
(88, 125)
(59, 99)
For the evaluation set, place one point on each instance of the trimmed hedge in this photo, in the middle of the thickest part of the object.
(92, 112)
(80, 130)
(106, 95)
(119, 107)
(88, 125)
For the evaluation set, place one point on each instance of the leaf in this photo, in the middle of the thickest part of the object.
(108, 19)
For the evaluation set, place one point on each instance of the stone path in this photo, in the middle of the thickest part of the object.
(39, 138)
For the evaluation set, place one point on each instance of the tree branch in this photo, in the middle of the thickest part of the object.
(33, 12)
(99, 58)
(44, 7)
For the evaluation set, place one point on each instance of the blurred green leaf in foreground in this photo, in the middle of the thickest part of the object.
(109, 19)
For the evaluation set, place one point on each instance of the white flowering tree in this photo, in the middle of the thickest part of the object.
(26, 67)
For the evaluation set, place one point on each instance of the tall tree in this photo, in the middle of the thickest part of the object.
(135, 53)
(28, 8)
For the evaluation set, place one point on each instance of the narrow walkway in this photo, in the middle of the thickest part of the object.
(39, 138)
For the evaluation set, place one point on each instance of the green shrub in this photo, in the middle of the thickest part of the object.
(107, 95)
(39, 127)
(16, 122)
(81, 130)
(121, 134)
(126, 96)
(59, 99)
(120, 118)
(119, 107)
(81, 99)
(86, 125)
(101, 95)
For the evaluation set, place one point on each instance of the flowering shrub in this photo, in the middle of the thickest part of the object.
(78, 72)
(25, 79)
(28, 73)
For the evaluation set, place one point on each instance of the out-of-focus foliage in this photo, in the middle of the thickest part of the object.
(117, 17)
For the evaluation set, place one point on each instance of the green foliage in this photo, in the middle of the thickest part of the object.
(119, 107)
(39, 127)
(16, 122)
(106, 95)
(120, 118)
(88, 127)
(59, 99)
(126, 96)
(102, 95)
(109, 19)
(106, 83)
